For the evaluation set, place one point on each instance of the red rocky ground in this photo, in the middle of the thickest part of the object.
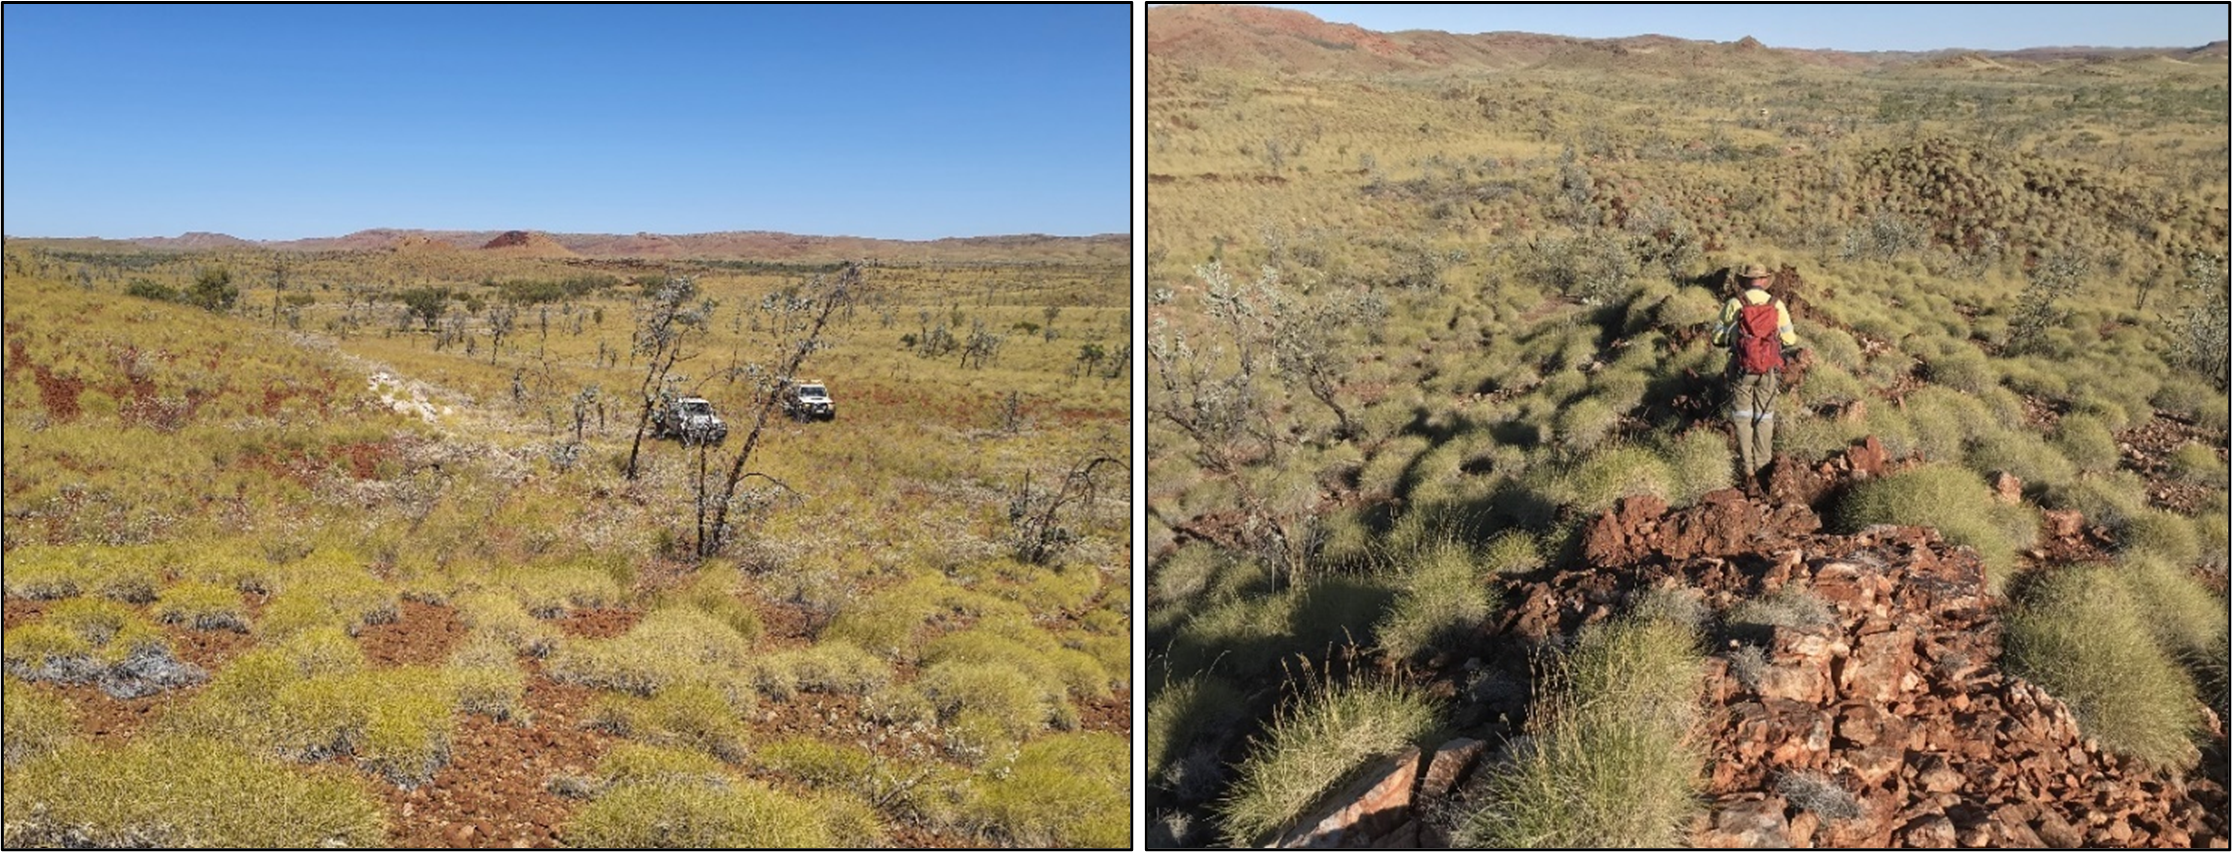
(1896, 696)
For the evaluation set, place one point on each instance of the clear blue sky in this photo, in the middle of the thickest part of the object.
(275, 122)
(1856, 27)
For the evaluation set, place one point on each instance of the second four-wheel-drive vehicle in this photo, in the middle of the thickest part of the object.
(691, 419)
(808, 400)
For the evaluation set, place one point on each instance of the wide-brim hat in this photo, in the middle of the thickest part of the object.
(1754, 270)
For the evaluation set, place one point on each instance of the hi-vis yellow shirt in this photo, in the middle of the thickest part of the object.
(1755, 296)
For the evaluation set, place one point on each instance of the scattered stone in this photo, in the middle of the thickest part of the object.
(2007, 488)
(1378, 801)
(1928, 831)
(1447, 768)
(1749, 824)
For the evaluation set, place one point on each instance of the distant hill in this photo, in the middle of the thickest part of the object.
(527, 244)
(1255, 38)
(724, 245)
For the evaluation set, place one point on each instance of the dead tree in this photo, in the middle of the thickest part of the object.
(666, 320)
(796, 318)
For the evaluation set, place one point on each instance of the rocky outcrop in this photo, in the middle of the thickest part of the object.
(1853, 694)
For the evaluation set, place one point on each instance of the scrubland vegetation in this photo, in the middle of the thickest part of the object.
(1410, 331)
(361, 548)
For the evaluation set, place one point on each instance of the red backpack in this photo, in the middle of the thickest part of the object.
(1759, 339)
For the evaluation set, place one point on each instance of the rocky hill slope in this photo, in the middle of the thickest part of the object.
(1872, 712)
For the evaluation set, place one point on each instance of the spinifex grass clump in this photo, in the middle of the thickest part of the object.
(311, 698)
(667, 647)
(656, 815)
(1067, 790)
(1951, 499)
(341, 595)
(180, 792)
(1444, 593)
(396, 722)
(203, 606)
(833, 666)
(1612, 759)
(714, 593)
(885, 622)
(36, 723)
(2081, 634)
(549, 591)
(689, 715)
(985, 708)
(500, 617)
(1035, 652)
(1315, 741)
(487, 679)
(90, 640)
(48, 572)
(637, 763)
(818, 762)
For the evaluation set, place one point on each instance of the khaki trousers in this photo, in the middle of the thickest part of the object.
(1751, 406)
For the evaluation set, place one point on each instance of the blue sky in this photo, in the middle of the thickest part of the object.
(1859, 27)
(286, 122)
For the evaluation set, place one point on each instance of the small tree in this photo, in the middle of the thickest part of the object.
(426, 303)
(2201, 328)
(2038, 308)
(213, 290)
(668, 316)
(1036, 528)
(796, 318)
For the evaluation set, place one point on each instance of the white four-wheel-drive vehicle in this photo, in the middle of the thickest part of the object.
(808, 400)
(691, 419)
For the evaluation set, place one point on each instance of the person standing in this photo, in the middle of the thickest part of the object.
(1756, 327)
